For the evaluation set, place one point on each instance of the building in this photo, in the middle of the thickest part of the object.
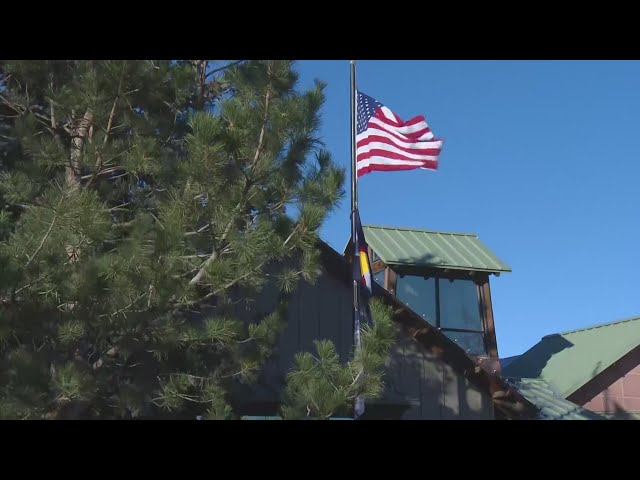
(443, 277)
(596, 369)
(444, 364)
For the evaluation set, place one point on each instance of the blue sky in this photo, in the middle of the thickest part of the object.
(541, 161)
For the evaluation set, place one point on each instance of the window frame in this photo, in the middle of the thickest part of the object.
(455, 275)
(481, 279)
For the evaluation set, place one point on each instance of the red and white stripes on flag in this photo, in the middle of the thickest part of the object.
(386, 143)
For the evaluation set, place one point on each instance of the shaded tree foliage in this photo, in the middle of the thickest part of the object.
(133, 194)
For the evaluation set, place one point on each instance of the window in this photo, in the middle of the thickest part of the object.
(419, 294)
(460, 305)
(453, 306)
(378, 277)
(374, 256)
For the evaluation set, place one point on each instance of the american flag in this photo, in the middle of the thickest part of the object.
(384, 142)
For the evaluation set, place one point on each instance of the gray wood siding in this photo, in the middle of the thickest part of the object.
(428, 387)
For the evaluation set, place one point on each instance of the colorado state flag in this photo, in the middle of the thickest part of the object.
(362, 275)
(361, 264)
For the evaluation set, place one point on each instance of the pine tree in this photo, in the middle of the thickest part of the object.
(320, 387)
(133, 194)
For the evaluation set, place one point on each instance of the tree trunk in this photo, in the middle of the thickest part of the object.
(78, 137)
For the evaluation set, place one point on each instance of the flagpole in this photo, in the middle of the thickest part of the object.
(354, 188)
(354, 197)
(358, 408)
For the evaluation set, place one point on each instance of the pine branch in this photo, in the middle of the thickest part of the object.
(54, 123)
(47, 233)
(263, 130)
(105, 171)
(119, 207)
(99, 163)
(242, 277)
(214, 254)
(199, 231)
(243, 200)
(53, 115)
(188, 375)
(119, 176)
(355, 380)
(115, 102)
(123, 310)
(37, 280)
(237, 374)
(21, 110)
(313, 401)
(229, 65)
(10, 104)
(41, 277)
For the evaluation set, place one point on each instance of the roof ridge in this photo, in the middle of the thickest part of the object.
(593, 327)
(423, 230)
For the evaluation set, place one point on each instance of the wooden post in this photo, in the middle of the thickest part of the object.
(490, 333)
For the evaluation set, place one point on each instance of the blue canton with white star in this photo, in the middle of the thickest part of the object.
(367, 107)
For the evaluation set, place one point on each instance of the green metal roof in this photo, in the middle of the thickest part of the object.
(622, 415)
(567, 361)
(409, 246)
(552, 406)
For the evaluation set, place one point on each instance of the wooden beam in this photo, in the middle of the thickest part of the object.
(392, 281)
(378, 265)
(487, 311)
(439, 272)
